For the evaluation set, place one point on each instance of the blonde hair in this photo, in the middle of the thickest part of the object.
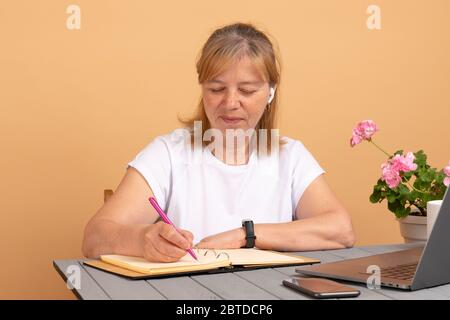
(231, 43)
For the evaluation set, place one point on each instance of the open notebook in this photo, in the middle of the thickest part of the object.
(208, 260)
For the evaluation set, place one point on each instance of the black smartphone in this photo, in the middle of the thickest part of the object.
(321, 288)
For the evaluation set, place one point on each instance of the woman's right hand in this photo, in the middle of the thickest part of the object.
(161, 242)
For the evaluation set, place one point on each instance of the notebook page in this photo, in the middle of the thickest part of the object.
(142, 265)
(258, 257)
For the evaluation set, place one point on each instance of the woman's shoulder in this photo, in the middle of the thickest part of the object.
(176, 143)
(297, 155)
(291, 146)
(167, 145)
(294, 151)
(174, 139)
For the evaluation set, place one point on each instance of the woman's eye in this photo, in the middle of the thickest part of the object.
(248, 91)
(242, 90)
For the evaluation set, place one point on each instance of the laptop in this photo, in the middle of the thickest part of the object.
(412, 269)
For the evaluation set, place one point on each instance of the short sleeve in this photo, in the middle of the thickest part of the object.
(154, 164)
(306, 169)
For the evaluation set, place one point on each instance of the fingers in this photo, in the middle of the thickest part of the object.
(165, 244)
(169, 233)
(168, 249)
(189, 236)
(159, 249)
(206, 244)
(154, 255)
(201, 245)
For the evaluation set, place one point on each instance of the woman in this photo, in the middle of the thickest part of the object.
(289, 201)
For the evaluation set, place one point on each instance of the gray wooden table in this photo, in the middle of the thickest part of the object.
(254, 284)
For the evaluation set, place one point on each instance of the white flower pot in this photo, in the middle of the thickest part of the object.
(413, 228)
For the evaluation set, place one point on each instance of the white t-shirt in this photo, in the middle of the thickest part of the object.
(202, 194)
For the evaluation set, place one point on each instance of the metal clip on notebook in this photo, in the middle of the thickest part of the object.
(208, 251)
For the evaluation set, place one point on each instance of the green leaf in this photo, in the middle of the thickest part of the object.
(402, 212)
(403, 190)
(412, 196)
(400, 152)
(377, 187)
(421, 158)
(440, 176)
(408, 175)
(393, 206)
(398, 208)
(421, 184)
(391, 197)
(421, 172)
(427, 197)
(375, 197)
(427, 175)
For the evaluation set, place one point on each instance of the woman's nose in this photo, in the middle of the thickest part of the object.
(232, 99)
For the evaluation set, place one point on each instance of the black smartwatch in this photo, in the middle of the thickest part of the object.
(249, 233)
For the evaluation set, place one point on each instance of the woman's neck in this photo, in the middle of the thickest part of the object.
(234, 154)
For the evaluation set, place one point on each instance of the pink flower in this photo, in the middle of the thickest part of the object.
(447, 169)
(390, 171)
(404, 163)
(364, 130)
(447, 173)
(390, 174)
(447, 181)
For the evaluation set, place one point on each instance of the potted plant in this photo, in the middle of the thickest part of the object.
(407, 183)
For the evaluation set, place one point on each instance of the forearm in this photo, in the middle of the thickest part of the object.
(108, 237)
(331, 230)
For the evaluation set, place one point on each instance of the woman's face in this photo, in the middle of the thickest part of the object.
(237, 98)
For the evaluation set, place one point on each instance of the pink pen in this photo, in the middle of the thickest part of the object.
(166, 219)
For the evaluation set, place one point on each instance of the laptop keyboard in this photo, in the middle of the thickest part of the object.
(401, 271)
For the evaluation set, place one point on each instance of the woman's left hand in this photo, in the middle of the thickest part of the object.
(232, 239)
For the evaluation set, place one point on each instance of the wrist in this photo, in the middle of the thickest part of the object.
(250, 236)
(242, 237)
(140, 241)
(132, 239)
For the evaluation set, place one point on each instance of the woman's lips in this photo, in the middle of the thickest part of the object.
(231, 120)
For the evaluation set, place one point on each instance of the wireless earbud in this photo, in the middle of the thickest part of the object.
(271, 95)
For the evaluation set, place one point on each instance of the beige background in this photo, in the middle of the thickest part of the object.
(76, 106)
